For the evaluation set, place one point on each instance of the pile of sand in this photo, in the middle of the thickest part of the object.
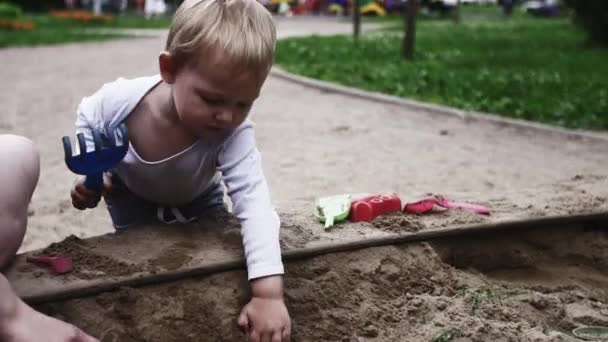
(534, 287)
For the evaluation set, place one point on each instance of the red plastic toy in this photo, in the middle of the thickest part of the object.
(427, 204)
(58, 264)
(369, 207)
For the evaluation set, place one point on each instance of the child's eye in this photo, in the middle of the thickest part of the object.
(214, 102)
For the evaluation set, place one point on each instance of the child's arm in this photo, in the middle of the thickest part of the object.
(105, 110)
(241, 167)
(265, 317)
(19, 322)
(88, 117)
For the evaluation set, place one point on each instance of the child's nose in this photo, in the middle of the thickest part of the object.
(224, 117)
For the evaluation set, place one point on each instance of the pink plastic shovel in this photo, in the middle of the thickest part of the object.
(58, 264)
(427, 205)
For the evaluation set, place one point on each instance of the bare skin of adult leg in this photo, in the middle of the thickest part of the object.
(18, 178)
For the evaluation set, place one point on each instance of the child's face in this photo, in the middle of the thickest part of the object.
(209, 98)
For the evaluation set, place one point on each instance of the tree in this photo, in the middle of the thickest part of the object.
(409, 39)
(356, 19)
(592, 15)
(97, 7)
(458, 12)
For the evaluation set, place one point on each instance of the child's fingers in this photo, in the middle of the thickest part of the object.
(83, 202)
(78, 204)
(107, 184)
(254, 336)
(264, 337)
(243, 321)
(89, 196)
(286, 334)
(276, 337)
(82, 337)
(82, 189)
(83, 198)
(78, 201)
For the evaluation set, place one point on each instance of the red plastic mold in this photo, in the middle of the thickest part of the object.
(369, 207)
(58, 264)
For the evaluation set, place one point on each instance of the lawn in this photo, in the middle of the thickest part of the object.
(52, 30)
(523, 67)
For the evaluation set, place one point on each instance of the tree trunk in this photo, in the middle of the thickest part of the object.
(97, 7)
(356, 19)
(409, 39)
(457, 12)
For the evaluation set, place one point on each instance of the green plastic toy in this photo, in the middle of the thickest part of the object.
(592, 333)
(332, 209)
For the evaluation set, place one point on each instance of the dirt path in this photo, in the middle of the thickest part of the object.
(313, 143)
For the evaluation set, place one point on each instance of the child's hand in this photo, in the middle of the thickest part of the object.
(83, 198)
(265, 317)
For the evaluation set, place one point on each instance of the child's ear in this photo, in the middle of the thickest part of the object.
(166, 63)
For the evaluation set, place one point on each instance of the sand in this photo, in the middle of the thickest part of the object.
(532, 287)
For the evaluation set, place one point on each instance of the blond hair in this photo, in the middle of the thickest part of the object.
(242, 32)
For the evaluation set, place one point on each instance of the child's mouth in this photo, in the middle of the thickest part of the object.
(214, 129)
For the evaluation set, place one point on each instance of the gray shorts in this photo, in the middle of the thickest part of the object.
(127, 209)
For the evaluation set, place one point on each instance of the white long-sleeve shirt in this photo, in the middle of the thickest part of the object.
(179, 179)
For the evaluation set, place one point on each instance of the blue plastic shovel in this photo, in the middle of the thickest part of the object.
(108, 152)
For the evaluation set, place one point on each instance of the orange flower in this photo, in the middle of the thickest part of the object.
(82, 16)
(17, 25)
(28, 25)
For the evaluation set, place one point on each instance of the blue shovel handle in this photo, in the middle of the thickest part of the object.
(94, 182)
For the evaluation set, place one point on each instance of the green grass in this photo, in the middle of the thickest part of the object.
(447, 336)
(534, 69)
(481, 296)
(51, 36)
(140, 22)
(51, 30)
